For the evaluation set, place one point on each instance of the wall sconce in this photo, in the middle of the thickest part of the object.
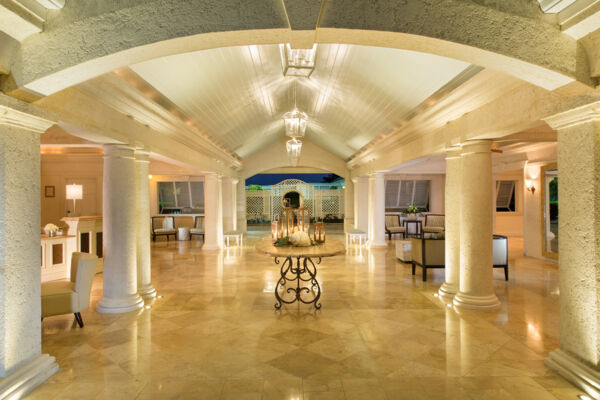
(529, 185)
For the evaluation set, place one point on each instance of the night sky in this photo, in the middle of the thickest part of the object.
(272, 179)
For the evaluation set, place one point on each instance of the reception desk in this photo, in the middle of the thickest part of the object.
(88, 232)
(56, 256)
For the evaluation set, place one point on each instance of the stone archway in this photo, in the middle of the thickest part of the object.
(84, 42)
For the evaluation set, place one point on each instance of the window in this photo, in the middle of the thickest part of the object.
(505, 196)
(402, 193)
(173, 197)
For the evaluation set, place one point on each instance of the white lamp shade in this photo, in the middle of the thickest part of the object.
(74, 192)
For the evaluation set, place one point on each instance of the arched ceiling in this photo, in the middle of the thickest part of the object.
(237, 95)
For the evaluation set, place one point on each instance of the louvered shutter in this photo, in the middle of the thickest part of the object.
(504, 193)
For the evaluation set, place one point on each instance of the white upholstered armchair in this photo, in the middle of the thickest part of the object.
(71, 296)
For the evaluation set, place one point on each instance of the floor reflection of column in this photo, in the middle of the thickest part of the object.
(453, 343)
(376, 269)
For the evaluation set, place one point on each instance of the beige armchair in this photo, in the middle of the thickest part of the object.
(392, 226)
(164, 226)
(434, 223)
(198, 228)
(71, 296)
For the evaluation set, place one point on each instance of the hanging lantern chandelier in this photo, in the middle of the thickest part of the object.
(294, 147)
(295, 123)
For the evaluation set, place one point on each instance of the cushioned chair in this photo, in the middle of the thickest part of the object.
(198, 228)
(71, 296)
(167, 227)
(434, 223)
(392, 226)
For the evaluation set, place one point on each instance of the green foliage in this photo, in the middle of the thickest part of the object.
(284, 241)
(412, 209)
(255, 187)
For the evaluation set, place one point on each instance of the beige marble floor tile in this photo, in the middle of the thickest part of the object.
(381, 334)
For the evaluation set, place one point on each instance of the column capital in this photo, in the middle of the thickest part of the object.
(377, 175)
(235, 181)
(117, 150)
(453, 152)
(476, 146)
(142, 156)
(358, 179)
(19, 119)
(575, 116)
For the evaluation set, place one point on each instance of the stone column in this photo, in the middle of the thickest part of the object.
(213, 212)
(452, 211)
(476, 273)
(241, 206)
(348, 204)
(142, 224)
(361, 203)
(233, 206)
(227, 204)
(578, 358)
(377, 210)
(22, 364)
(120, 288)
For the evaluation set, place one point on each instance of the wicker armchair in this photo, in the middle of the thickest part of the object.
(392, 226)
(198, 228)
(434, 223)
(163, 226)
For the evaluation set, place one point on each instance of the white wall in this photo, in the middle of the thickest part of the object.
(58, 170)
(532, 216)
(511, 223)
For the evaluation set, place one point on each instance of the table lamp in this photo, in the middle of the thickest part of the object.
(74, 192)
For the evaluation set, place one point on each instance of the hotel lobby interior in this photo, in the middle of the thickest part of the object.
(285, 199)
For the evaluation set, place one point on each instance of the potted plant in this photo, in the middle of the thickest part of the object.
(412, 209)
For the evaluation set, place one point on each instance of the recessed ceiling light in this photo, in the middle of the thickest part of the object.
(159, 296)
(147, 307)
(448, 305)
(584, 397)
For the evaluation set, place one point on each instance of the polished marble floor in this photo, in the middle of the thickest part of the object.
(381, 334)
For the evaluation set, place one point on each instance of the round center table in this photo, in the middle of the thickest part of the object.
(298, 272)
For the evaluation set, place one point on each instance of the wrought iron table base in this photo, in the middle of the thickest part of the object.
(298, 280)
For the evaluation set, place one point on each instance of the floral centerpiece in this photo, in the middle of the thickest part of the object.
(298, 239)
(50, 229)
(413, 209)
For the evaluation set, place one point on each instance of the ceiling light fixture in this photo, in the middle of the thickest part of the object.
(298, 62)
(294, 147)
(295, 123)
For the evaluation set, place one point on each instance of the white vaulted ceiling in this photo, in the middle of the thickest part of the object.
(237, 95)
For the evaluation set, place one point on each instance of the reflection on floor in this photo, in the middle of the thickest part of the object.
(381, 334)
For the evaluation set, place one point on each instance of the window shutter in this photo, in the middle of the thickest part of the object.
(391, 193)
(504, 192)
(421, 197)
(406, 193)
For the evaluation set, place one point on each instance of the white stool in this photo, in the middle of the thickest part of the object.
(353, 234)
(183, 233)
(237, 235)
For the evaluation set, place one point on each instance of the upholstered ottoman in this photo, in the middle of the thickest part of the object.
(403, 250)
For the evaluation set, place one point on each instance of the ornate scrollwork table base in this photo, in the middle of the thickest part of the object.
(297, 280)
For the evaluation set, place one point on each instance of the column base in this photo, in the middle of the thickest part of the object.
(575, 371)
(108, 305)
(447, 292)
(28, 377)
(477, 303)
(147, 292)
(376, 245)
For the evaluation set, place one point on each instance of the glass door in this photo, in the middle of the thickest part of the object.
(550, 211)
